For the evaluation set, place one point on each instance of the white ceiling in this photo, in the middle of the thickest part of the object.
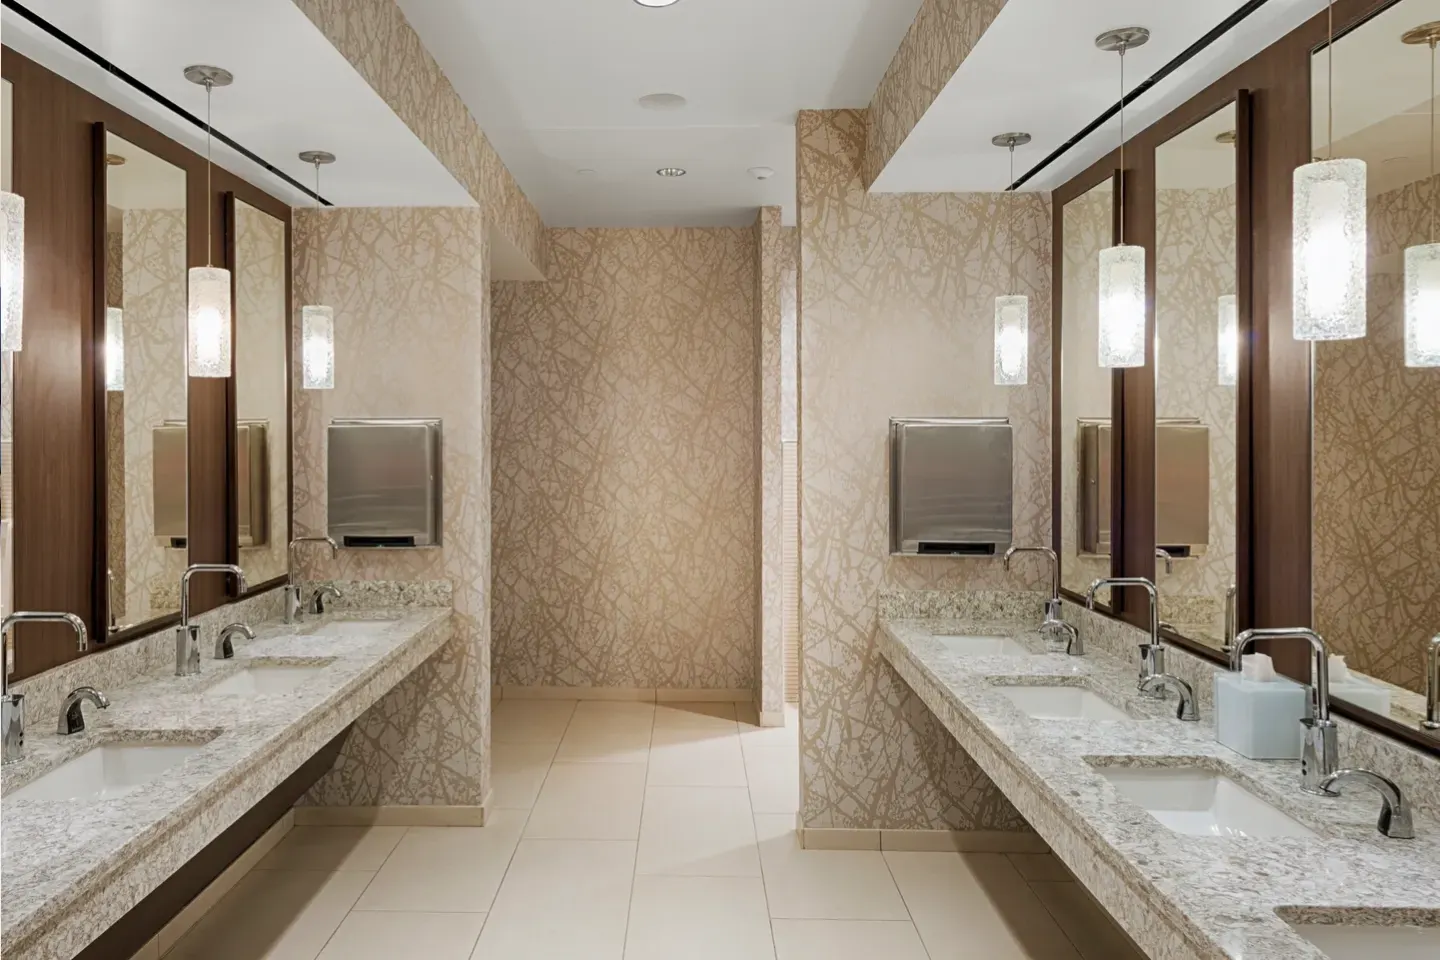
(293, 91)
(1194, 160)
(555, 84)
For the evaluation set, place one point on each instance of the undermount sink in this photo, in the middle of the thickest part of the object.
(983, 646)
(107, 771)
(254, 681)
(1201, 803)
(1062, 703)
(351, 628)
(1362, 942)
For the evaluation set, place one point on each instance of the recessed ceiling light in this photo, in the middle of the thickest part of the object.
(671, 171)
(585, 172)
(657, 3)
(762, 173)
(662, 101)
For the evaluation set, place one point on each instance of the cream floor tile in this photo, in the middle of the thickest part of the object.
(774, 777)
(1093, 932)
(530, 721)
(823, 884)
(405, 936)
(606, 743)
(589, 801)
(976, 905)
(698, 918)
(849, 940)
(274, 915)
(753, 735)
(1040, 866)
(446, 869)
(613, 713)
(561, 900)
(333, 848)
(519, 769)
(680, 761)
(719, 714)
(698, 831)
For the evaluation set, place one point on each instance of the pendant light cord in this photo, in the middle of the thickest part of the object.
(1012, 217)
(209, 163)
(1330, 75)
(1122, 143)
(1433, 40)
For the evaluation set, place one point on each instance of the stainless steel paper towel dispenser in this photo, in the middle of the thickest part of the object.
(169, 457)
(384, 482)
(951, 486)
(1182, 486)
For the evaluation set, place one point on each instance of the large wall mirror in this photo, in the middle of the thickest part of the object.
(1197, 318)
(1376, 421)
(7, 393)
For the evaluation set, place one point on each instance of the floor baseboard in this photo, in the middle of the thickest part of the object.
(390, 816)
(637, 694)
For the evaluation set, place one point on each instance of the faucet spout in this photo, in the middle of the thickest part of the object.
(187, 637)
(1320, 755)
(1152, 654)
(12, 705)
(1432, 687)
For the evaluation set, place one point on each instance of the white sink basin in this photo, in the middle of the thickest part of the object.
(351, 628)
(1062, 703)
(254, 681)
(108, 771)
(1201, 803)
(1346, 942)
(983, 646)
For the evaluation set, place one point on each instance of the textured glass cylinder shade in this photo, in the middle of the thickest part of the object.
(1012, 341)
(1330, 250)
(208, 346)
(1122, 306)
(317, 348)
(114, 348)
(1422, 306)
(12, 270)
(1227, 340)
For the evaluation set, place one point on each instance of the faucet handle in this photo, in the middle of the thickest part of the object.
(1186, 710)
(1395, 821)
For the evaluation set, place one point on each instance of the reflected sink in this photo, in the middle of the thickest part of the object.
(108, 771)
(1201, 803)
(983, 646)
(1355, 942)
(1062, 703)
(254, 681)
(351, 628)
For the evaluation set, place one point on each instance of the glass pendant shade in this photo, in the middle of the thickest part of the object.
(12, 270)
(1122, 306)
(1422, 305)
(317, 348)
(1227, 340)
(1012, 341)
(1330, 250)
(208, 346)
(114, 348)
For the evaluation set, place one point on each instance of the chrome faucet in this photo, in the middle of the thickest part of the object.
(1162, 554)
(1186, 709)
(317, 599)
(72, 716)
(187, 637)
(1432, 687)
(294, 603)
(1152, 655)
(1053, 622)
(1232, 618)
(12, 705)
(224, 646)
(1321, 754)
(1395, 821)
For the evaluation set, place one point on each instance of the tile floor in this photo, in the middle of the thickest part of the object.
(634, 831)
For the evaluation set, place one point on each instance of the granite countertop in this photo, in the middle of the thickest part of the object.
(1178, 896)
(108, 854)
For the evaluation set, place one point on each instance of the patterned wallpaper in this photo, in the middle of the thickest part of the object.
(410, 288)
(896, 319)
(625, 463)
(942, 36)
(115, 437)
(378, 41)
(1377, 470)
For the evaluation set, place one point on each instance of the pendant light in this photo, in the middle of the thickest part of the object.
(114, 349)
(317, 323)
(12, 271)
(208, 331)
(1122, 267)
(1422, 262)
(1012, 311)
(1330, 236)
(1227, 340)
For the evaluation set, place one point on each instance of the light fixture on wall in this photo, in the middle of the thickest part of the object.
(1122, 267)
(1012, 310)
(114, 349)
(1422, 261)
(317, 323)
(208, 336)
(12, 271)
(1329, 250)
(1227, 340)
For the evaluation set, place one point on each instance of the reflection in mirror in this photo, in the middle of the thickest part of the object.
(7, 400)
(1088, 227)
(1376, 422)
(145, 382)
(262, 484)
(1197, 350)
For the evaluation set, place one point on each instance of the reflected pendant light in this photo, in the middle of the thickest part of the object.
(12, 271)
(1122, 267)
(1012, 311)
(1329, 253)
(317, 323)
(208, 330)
(1422, 262)
(114, 349)
(1227, 340)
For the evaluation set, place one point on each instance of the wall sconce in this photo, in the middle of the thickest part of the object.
(114, 349)
(317, 323)
(1227, 340)
(1122, 267)
(209, 331)
(12, 271)
(1422, 262)
(1012, 311)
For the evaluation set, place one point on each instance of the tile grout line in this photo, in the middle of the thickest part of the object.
(915, 926)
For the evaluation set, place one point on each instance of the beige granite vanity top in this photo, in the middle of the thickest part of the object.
(1178, 896)
(71, 868)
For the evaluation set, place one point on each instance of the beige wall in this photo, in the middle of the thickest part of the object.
(625, 463)
(410, 288)
(896, 319)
